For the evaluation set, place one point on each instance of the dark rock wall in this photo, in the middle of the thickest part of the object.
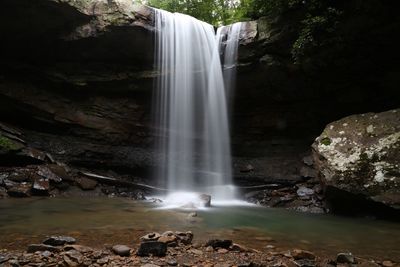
(76, 77)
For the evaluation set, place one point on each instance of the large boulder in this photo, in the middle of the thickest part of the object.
(360, 154)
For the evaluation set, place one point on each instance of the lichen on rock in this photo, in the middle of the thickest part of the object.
(360, 154)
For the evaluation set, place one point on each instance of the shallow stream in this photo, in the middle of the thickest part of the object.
(100, 221)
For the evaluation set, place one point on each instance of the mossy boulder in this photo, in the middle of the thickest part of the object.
(360, 154)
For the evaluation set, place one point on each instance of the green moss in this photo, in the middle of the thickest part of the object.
(326, 141)
(8, 144)
(364, 156)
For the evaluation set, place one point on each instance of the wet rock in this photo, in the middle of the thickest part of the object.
(169, 238)
(302, 254)
(345, 258)
(307, 172)
(192, 214)
(184, 237)
(304, 191)
(218, 243)
(309, 209)
(247, 168)
(20, 190)
(42, 247)
(305, 263)
(154, 248)
(308, 160)
(80, 248)
(86, 183)
(121, 250)
(150, 237)
(239, 248)
(8, 183)
(205, 200)
(47, 173)
(18, 177)
(41, 186)
(59, 240)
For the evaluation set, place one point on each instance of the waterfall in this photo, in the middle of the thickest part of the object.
(228, 37)
(190, 106)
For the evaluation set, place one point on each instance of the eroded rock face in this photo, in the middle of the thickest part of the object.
(360, 154)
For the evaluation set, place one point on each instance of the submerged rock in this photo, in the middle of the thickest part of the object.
(42, 247)
(205, 200)
(360, 154)
(298, 254)
(218, 243)
(345, 258)
(154, 248)
(59, 240)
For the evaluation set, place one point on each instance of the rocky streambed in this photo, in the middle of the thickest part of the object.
(173, 249)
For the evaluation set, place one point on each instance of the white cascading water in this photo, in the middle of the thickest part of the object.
(228, 37)
(191, 110)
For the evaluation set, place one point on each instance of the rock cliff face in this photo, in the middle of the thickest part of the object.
(360, 154)
(76, 80)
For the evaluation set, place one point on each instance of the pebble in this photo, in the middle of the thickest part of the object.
(345, 258)
(172, 262)
(121, 250)
(223, 251)
(387, 264)
(196, 251)
(209, 249)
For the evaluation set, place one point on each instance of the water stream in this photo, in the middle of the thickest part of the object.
(191, 107)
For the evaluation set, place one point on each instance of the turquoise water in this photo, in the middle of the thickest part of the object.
(100, 221)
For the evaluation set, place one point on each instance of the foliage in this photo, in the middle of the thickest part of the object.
(317, 22)
(7, 144)
(215, 12)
